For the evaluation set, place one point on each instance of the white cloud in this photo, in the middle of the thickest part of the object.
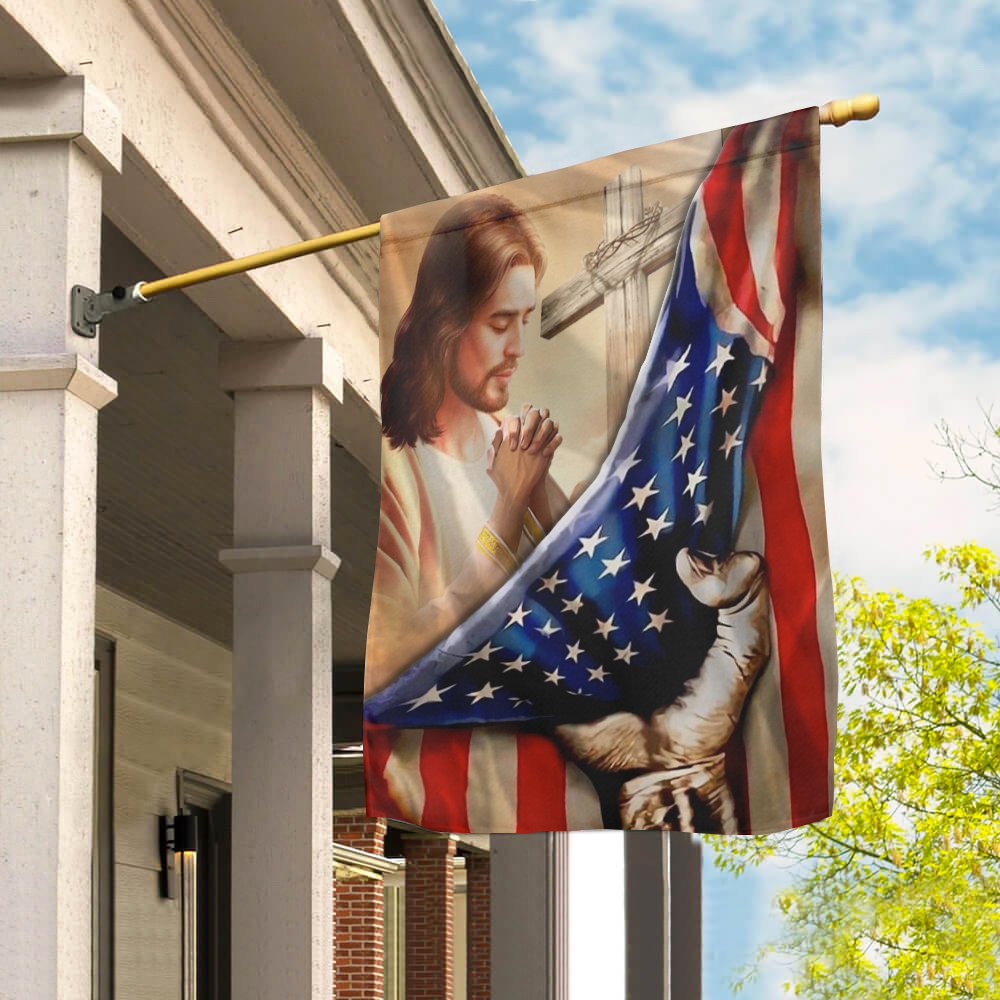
(572, 49)
(598, 88)
(885, 386)
(901, 187)
(739, 916)
(479, 53)
(901, 172)
(732, 26)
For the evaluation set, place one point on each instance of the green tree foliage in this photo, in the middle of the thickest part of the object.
(897, 895)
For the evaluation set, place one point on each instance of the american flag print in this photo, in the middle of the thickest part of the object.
(666, 657)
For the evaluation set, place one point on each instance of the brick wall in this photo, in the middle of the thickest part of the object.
(358, 909)
(477, 901)
(362, 832)
(430, 897)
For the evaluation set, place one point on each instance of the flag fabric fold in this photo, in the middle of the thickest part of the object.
(664, 657)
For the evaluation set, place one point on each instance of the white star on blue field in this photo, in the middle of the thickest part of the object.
(911, 232)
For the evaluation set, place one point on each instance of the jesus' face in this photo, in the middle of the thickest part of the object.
(485, 356)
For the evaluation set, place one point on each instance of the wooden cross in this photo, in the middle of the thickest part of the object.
(620, 281)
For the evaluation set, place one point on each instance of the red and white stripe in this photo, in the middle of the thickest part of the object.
(734, 236)
(790, 722)
(522, 782)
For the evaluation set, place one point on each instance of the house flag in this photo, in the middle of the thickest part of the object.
(602, 594)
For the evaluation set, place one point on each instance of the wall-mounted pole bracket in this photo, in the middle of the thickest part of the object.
(88, 308)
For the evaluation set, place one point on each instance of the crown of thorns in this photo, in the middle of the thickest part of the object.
(606, 248)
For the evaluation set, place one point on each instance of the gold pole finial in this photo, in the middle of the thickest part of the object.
(858, 108)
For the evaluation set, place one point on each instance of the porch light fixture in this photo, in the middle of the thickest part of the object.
(178, 836)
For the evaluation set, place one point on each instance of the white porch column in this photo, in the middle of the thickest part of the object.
(282, 861)
(528, 916)
(662, 915)
(57, 138)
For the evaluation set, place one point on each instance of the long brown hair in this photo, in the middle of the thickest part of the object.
(473, 246)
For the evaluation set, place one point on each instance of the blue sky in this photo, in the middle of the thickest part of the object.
(910, 261)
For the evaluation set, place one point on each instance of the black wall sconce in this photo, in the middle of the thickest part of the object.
(178, 835)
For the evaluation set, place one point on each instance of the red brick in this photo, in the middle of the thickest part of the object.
(430, 895)
(430, 888)
(359, 913)
(477, 896)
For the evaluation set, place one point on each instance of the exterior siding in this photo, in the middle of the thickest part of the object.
(172, 710)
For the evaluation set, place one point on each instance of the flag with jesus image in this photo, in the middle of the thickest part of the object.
(659, 653)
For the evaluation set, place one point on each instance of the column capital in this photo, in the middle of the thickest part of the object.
(58, 371)
(282, 364)
(67, 108)
(267, 558)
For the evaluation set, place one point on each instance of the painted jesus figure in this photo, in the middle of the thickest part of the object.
(466, 495)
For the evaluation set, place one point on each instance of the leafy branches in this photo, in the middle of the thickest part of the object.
(897, 895)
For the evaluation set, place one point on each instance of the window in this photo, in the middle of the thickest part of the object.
(394, 936)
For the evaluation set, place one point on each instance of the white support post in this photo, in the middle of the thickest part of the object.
(57, 139)
(662, 915)
(282, 862)
(529, 919)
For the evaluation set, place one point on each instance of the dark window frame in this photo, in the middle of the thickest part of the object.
(102, 855)
(207, 926)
